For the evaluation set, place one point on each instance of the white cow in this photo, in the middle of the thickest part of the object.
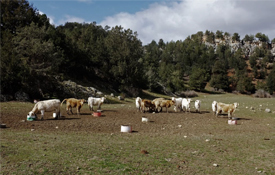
(46, 106)
(92, 101)
(198, 105)
(178, 104)
(138, 103)
(214, 107)
(186, 104)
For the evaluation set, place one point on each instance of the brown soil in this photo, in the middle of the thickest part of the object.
(111, 119)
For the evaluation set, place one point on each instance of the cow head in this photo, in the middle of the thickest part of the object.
(32, 114)
(82, 101)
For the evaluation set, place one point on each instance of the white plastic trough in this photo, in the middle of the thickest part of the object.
(144, 119)
(126, 128)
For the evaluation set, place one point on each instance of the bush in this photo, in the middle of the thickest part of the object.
(262, 94)
(188, 94)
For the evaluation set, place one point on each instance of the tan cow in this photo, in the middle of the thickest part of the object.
(228, 108)
(163, 103)
(72, 103)
(157, 101)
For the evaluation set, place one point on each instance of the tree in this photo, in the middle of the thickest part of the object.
(262, 37)
(198, 78)
(125, 50)
(236, 37)
(219, 34)
(245, 84)
(219, 77)
(248, 38)
(270, 82)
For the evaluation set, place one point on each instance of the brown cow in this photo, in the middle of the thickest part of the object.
(72, 103)
(164, 103)
(147, 104)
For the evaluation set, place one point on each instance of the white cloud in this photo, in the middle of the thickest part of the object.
(68, 18)
(177, 20)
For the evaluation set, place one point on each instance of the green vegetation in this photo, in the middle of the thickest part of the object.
(36, 56)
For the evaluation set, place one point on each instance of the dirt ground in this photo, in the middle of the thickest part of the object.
(113, 116)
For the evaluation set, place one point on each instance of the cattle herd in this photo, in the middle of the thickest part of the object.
(54, 105)
(142, 105)
(182, 104)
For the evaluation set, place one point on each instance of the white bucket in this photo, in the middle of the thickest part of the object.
(126, 128)
(144, 119)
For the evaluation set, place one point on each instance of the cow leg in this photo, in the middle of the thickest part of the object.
(217, 113)
(78, 111)
(42, 114)
(71, 110)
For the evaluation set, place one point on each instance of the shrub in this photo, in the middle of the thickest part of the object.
(262, 94)
(188, 94)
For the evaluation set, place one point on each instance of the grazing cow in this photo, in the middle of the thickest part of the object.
(72, 103)
(197, 105)
(138, 103)
(214, 107)
(46, 106)
(178, 104)
(92, 101)
(156, 101)
(164, 103)
(147, 104)
(186, 104)
(229, 108)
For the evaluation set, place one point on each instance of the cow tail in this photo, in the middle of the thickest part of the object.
(63, 101)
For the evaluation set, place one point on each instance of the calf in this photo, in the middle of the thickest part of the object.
(92, 101)
(46, 106)
(229, 108)
(186, 104)
(138, 103)
(147, 104)
(72, 103)
(197, 105)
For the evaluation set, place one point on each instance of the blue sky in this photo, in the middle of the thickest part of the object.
(166, 19)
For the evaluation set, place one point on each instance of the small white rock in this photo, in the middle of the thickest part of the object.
(32, 129)
(215, 165)
(185, 136)
(179, 126)
(207, 140)
(267, 110)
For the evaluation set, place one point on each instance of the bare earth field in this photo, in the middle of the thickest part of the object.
(171, 143)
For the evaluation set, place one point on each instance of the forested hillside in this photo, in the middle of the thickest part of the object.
(36, 57)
